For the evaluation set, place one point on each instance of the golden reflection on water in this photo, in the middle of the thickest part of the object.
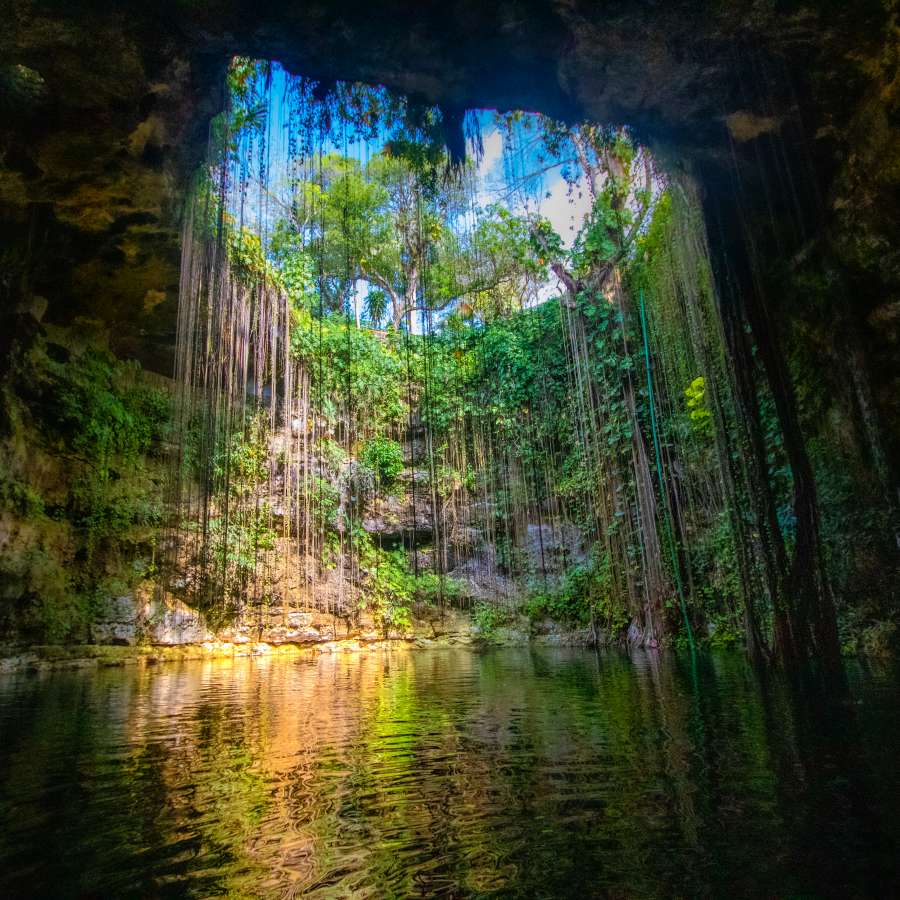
(342, 774)
(398, 774)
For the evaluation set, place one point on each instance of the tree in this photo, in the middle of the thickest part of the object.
(604, 345)
(395, 224)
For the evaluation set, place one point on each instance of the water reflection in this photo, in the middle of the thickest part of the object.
(445, 773)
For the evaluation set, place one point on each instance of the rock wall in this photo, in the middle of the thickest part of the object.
(785, 114)
(142, 619)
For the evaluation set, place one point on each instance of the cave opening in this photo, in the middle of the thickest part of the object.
(431, 362)
(745, 233)
(459, 459)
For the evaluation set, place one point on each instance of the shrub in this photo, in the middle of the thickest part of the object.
(488, 618)
(385, 458)
(390, 586)
(584, 589)
(430, 588)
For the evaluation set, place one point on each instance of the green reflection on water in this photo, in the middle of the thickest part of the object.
(512, 773)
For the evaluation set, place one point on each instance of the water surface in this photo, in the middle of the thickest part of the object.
(532, 772)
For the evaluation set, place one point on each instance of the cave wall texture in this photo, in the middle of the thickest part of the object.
(105, 105)
(785, 113)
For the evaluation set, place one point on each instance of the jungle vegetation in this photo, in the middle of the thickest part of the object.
(361, 330)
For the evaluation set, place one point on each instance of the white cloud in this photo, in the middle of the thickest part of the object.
(566, 210)
(492, 142)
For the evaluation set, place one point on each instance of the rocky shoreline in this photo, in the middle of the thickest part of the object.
(178, 635)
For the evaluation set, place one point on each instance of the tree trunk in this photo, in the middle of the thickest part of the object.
(805, 622)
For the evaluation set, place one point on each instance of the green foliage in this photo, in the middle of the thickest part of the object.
(546, 244)
(99, 409)
(376, 307)
(238, 546)
(373, 223)
(349, 362)
(584, 591)
(247, 111)
(244, 465)
(54, 609)
(873, 638)
(107, 510)
(597, 243)
(385, 458)
(431, 588)
(487, 618)
(20, 497)
(89, 485)
(390, 587)
(698, 411)
(325, 499)
(95, 406)
(716, 579)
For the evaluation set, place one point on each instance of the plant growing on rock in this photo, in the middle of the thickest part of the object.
(385, 458)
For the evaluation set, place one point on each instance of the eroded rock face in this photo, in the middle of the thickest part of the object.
(553, 549)
(145, 619)
(117, 622)
(103, 112)
(142, 617)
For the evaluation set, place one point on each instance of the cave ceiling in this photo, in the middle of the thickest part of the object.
(104, 107)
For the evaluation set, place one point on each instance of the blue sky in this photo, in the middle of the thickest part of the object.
(548, 194)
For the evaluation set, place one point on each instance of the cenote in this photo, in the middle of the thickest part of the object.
(508, 773)
(449, 451)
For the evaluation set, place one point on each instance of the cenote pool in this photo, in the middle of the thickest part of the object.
(538, 773)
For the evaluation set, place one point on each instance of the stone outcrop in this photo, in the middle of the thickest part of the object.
(146, 619)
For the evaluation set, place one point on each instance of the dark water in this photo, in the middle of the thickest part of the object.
(447, 773)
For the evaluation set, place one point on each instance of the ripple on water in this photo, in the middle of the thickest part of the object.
(517, 772)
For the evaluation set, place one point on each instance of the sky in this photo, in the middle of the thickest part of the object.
(551, 198)
(548, 195)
